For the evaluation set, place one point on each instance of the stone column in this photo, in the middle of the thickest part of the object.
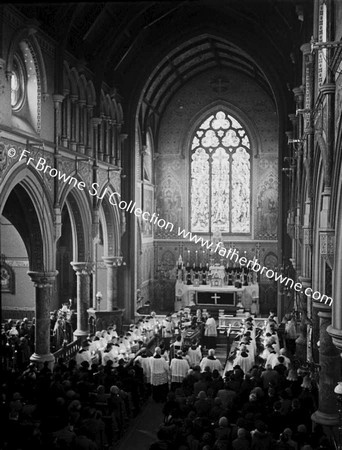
(73, 122)
(83, 271)
(123, 137)
(65, 119)
(43, 282)
(81, 128)
(58, 101)
(315, 330)
(89, 131)
(108, 141)
(329, 360)
(101, 139)
(112, 282)
(96, 121)
(114, 143)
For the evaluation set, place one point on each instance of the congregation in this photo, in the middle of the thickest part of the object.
(255, 399)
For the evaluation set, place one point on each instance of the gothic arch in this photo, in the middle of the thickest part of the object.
(91, 95)
(82, 88)
(79, 209)
(111, 219)
(236, 112)
(29, 192)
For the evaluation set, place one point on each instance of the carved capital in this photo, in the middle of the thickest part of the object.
(82, 268)
(43, 279)
(327, 246)
(96, 121)
(306, 48)
(57, 99)
(327, 88)
(113, 261)
(298, 94)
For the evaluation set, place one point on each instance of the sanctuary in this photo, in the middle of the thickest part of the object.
(218, 289)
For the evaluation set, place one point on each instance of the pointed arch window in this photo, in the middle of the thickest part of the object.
(220, 176)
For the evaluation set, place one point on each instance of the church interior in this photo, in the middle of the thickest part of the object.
(164, 157)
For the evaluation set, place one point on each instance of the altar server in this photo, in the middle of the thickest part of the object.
(159, 376)
(210, 332)
(243, 359)
(211, 362)
(84, 354)
(194, 355)
(179, 369)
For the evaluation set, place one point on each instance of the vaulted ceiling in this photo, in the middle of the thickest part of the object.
(155, 47)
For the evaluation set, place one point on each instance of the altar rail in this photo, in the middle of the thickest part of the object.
(234, 322)
(69, 351)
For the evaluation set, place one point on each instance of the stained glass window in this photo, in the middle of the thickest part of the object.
(220, 176)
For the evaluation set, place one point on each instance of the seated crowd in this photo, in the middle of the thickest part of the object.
(85, 403)
(260, 401)
(257, 401)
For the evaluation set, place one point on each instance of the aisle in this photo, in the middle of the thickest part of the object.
(143, 429)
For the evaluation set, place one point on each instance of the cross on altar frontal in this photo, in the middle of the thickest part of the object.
(215, 297)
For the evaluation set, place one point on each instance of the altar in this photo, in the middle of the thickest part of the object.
(216, 288)
(228, 298)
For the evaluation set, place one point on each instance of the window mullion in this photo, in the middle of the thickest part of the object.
(230, 192)
(210, 191)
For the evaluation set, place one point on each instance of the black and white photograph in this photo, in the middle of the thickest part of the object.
(171, 225)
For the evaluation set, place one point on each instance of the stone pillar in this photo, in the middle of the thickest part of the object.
(123, 137)
(73, 125)
(108, 141)
(306, 283)
(83, 271)
(65, 119)
(315, 330)
(58, 101)
(89, 131)
(43, 282)
(112, 282)
(81, 128)
(329, 360)
(96, 122)
(101, 139)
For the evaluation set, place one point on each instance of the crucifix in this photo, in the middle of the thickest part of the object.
(215, 297)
